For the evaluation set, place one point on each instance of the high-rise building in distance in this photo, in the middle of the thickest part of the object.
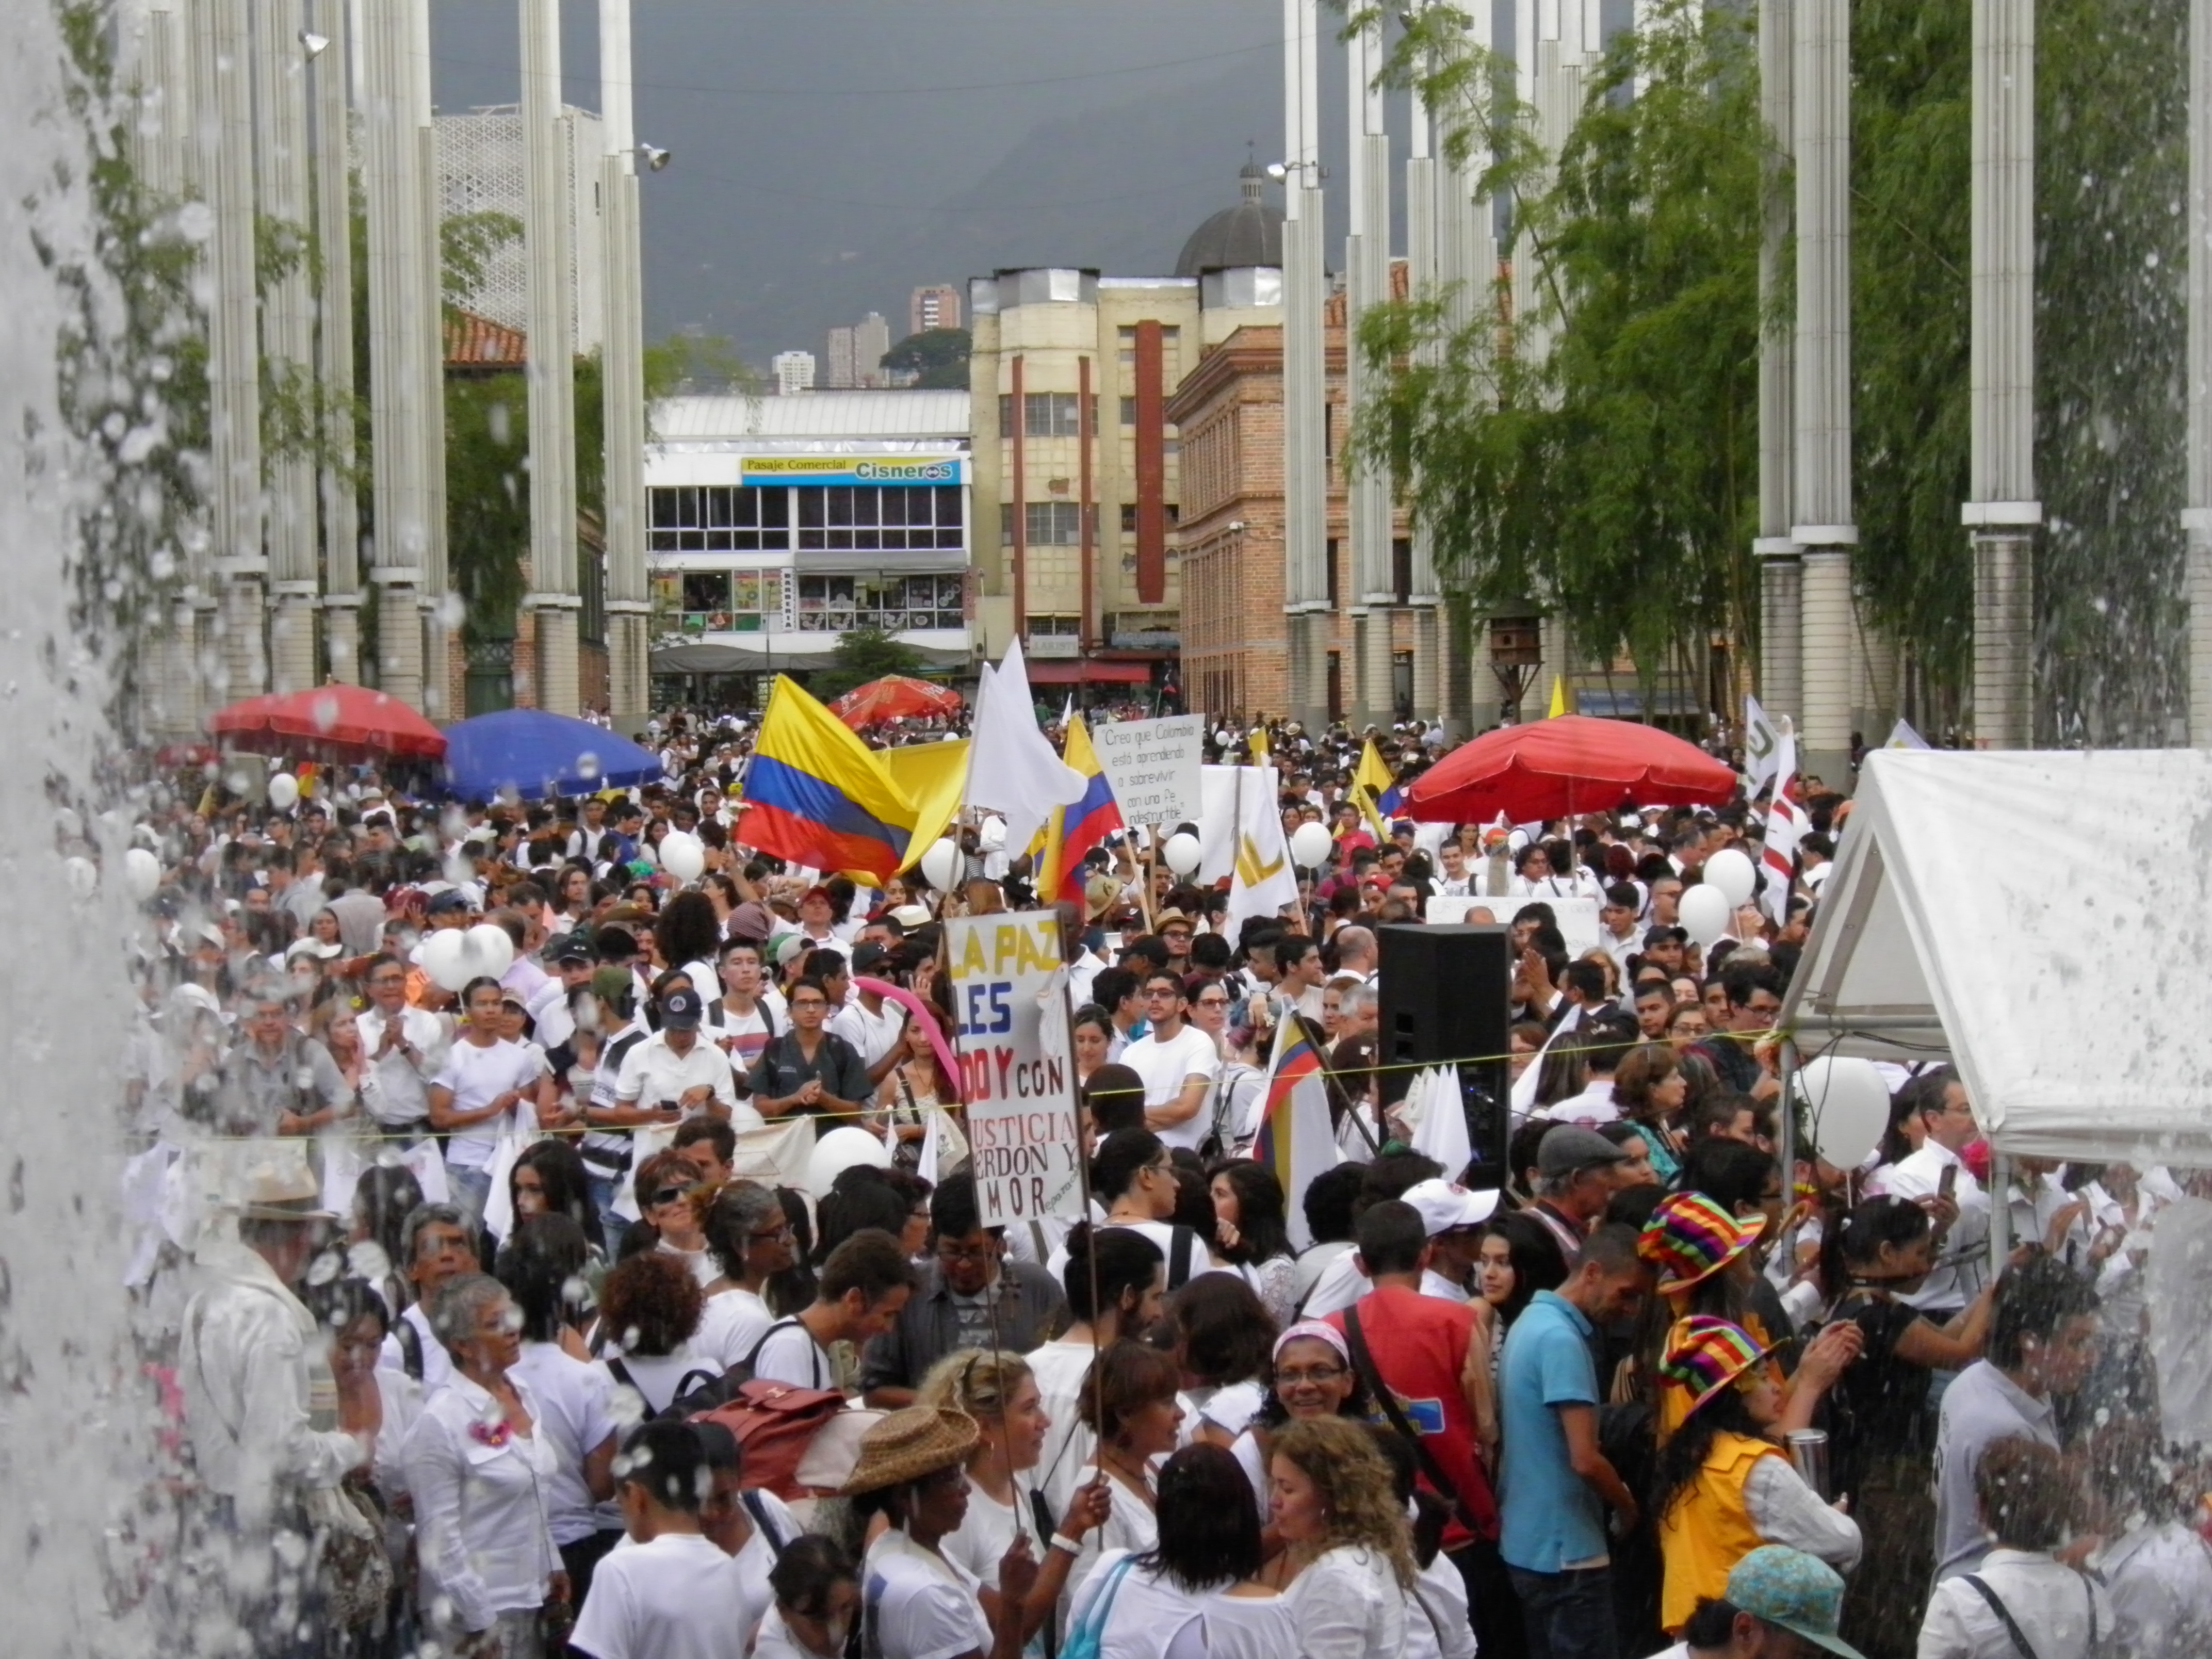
(856, 354)
(794, 371)
(937, 306)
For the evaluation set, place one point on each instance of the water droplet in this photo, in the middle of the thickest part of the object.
(196, 222)
(588, 766)
(324, 711)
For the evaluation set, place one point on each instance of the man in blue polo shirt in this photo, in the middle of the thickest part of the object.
(1555, 1484)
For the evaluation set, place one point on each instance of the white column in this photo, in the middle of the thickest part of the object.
(1781, 667)
(440, 610)
(1305, 585)
(2003, 511)
(1423, 272)
(2196, 516)
(287, 325)
(623, 363)
(1823, 528)
(333, 20)
(551, 373)
(222, 102)
(393, 185)
(1367, 284)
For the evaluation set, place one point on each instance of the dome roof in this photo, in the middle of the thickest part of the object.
(1249, 233)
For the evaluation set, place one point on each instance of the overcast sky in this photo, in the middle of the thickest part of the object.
(832, 154)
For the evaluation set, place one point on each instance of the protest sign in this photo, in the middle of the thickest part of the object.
(1017, 1065)
(1153, 766)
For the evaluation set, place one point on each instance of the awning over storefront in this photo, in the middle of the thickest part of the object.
(1088, 674)
(761, 653)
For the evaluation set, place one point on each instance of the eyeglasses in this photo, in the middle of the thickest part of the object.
(1166, 1166)
(1315, 1376)
(665, 1195)
(948, 1251)
(799, 1003)
(781, 1231)
(1213, 1002)
(1156, 992)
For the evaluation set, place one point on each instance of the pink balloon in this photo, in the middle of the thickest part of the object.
(917, 1009)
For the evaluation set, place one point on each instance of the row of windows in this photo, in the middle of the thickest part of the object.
(1059, 524)
(893, 604)
(741, 519)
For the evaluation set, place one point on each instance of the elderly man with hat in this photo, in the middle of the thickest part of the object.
(1577, 1172)
(267, 1423)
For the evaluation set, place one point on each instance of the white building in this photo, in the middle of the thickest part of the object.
(775, 523)
(856, 354)
(794, 371)
(480, 171)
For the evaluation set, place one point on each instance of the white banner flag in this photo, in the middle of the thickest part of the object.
(1762, 746)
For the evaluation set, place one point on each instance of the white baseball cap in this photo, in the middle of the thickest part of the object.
(1445, 1206)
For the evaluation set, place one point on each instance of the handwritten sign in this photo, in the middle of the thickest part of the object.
(1153, 766)
(1017, 1065)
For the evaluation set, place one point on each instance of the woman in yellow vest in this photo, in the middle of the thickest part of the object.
(1722, 1488)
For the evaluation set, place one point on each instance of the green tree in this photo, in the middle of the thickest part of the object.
(863, 655)
(1614, 474)
(937, 357)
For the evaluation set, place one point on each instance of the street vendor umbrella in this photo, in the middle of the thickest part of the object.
(536, 755)
(1571, 764)
(342, 721)
(895, 696)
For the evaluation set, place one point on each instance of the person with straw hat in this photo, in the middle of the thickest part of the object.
(915, 1602)
(1722, 1488)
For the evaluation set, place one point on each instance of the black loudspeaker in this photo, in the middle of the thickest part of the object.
(1447, 997)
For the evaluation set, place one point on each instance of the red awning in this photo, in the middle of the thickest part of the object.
(1088, 674)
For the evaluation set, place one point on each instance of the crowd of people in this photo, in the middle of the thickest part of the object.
(545, 1334)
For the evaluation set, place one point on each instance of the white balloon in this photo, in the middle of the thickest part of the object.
(1848, 1107)
(143, 872)
(839, 1149)
(1310, 845)
(447, 960)
(491, 952)
(83, 876)
(1731, 872)
(283, 791)
(1182, 852)
(940, 864)
(683, 856)
(1706, 912)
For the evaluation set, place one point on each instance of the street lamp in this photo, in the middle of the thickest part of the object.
(1516, 652)
(653, 156)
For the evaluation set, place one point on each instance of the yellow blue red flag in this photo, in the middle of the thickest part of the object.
(816, 794)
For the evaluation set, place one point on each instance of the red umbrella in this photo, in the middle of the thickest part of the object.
(1570, 763)
(333, 719)
(895, 696)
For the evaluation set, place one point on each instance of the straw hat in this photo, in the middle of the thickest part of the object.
(287, 1192)
(1706, 1355)
(1690, 1238)
(908, 1444)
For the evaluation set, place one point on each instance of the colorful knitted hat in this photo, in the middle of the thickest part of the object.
(1690, 1238)
(1706, 1355)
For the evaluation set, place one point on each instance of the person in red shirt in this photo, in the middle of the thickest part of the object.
(1418, 1354)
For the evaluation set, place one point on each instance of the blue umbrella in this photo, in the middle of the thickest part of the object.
(537, 754)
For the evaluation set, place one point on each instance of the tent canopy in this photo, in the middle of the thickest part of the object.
(2026, 913)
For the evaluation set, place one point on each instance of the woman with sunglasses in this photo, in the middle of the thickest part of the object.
(663, 1187)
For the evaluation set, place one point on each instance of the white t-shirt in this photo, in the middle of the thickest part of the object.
(873, 1036)
(990, 1527)
(732, 1322)
(678, 1597)
(1151, 1617)
(1165, 1067)
(479, 1076)
(655, 1375)
(575, 1401)
(654, 1074)
(791, 1355)
(925, 1606)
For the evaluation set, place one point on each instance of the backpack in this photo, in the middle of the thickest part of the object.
(685, 1387)
(773, 1423)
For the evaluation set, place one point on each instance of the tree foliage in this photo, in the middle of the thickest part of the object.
(936, 357)
(863, 655)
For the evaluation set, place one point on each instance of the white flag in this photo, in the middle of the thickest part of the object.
(1012, 768)
(1785, 825)
(1902, 736)
(1262, 881)
(931, 1143)
(1442, 1133)
(1220, 788)
(1762, 745)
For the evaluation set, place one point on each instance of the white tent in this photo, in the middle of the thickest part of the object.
(2043, 918)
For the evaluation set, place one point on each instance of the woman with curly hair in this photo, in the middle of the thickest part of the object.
(1347, 1562)
(648, 1309)
(687, 934)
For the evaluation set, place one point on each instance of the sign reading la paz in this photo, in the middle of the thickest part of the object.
(1017, 1065)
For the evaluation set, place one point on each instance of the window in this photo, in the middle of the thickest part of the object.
(1128, 518)
(831, 604)
(1054, 524)
(1049, 413)
(715, 519)
(718, 601)
(890, 518)
(1128, 411)
(1006, 413)
(1401, 569)
(1062, 627)
(1329, 549)
(1005, 524)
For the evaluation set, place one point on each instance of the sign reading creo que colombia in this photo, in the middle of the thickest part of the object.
(852, 469)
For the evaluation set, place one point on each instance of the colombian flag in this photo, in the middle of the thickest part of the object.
(1073, 831)
(1295, 1141)
(816, 794)
(1376, 789)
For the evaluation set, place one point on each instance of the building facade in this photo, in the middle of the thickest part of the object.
(935, 306)
(777, 523)
(480, 171)
(856, 354)
(794, 372)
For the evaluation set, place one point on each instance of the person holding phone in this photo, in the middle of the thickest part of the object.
(1934, 1178)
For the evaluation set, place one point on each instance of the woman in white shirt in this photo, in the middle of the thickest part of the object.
(1346, 1567)
(2021, 1587)
(917, 1603)
(999, 1394)
(748, 1239)
(648, 1308)
(750, 1525)
(1193, 1594)
(481, 1474)
(818, 1597)
(1129, 1403)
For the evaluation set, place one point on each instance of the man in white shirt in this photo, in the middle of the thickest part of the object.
(1301, 976)
(1356, 951)
(673, 1069)
(1617, 934)
(872, 1023)
(863, 1285)
(473, 1098)
(1927, 1176)
(816, 922)
(1177, 1063)
(1454, 882)
(436, 1248)
(551, 1007)
(749, 1013)
(670, 1592)
(1083, 962)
